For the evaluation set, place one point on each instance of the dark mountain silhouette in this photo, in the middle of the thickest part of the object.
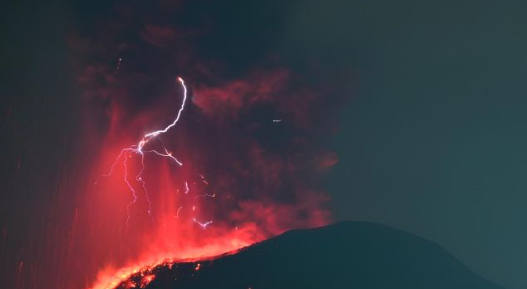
(344, 255)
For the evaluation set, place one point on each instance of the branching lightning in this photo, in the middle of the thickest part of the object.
(139, 149)
(203, 225)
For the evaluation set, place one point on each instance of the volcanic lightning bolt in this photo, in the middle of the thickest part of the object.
(139, 149)
(173, 189)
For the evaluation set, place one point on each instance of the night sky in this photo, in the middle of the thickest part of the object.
(430, 135)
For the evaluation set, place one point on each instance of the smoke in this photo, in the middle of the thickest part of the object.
(251, 140)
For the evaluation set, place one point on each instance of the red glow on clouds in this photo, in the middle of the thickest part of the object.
(251, 140)
(231, 192)
(232, 96)
(251, 145)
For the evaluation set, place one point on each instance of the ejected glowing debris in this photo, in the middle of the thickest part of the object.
(119, 63)
(178, 210)
(146, 280)
(205, 195)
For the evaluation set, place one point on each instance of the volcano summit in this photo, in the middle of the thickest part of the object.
(343, 255)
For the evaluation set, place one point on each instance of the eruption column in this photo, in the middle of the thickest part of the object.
(138, 149)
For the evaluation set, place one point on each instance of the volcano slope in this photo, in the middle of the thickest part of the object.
(344, 255)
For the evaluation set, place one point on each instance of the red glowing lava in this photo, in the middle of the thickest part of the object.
(220, 244)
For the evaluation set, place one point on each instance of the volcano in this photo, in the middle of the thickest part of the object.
(343, 255)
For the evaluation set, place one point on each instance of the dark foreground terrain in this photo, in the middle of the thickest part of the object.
(344, 255)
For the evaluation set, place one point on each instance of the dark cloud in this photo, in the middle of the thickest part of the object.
(252, 127)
